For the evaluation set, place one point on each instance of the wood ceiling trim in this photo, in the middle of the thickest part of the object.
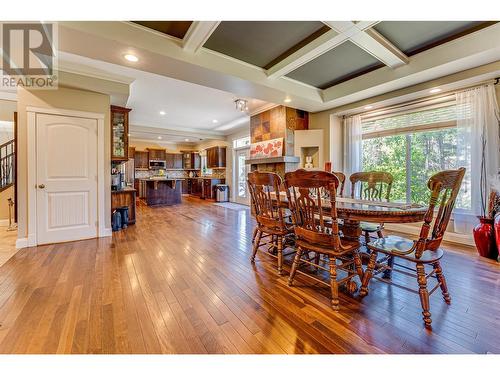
(176, 29)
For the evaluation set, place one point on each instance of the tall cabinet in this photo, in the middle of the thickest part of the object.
(119, 133)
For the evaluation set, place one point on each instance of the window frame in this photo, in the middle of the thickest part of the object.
(408, 132)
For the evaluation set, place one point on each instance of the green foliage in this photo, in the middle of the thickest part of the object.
(429, 153)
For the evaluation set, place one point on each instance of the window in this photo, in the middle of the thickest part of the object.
(413, 146)
(241, 142)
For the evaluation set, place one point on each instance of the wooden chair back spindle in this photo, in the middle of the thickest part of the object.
(305, 191)
(371, 185)
(263, 186)
(444, 187)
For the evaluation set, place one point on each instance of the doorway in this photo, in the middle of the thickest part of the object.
(65, 196)
(241, 171)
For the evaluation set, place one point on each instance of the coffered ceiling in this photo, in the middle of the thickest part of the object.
(313, 65)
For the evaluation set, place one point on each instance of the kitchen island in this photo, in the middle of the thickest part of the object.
(162, 191)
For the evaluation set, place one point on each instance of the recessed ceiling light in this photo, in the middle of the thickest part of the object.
(131, 58)
(433, 91)
(128, 134)
(163, 113)
(368, 107)
(159, 137)
(215, 121)
(187, 140)
(287, 100)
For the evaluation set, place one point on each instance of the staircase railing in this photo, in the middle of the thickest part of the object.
(7, 167)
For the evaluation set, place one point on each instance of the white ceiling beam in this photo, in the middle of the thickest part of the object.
(364, 36)
(468, 52)
(309, 52)
(341, 31)
(197, 34)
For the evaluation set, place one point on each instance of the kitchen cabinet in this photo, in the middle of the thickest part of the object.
(216, 157)
(119, 133)
(173, 161)
(157, 153)
(131, 152)
(196, 186)
(125, 197)
(191, 160)
(141, 159)
(208, 187)
(177, 161)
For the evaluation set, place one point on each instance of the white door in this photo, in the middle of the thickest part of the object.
(242, 169)
(66, 152)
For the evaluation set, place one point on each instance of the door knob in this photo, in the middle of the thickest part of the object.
(41, 186)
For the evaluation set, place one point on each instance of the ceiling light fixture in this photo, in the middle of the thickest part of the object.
(368, 107)
(215, 121)
(287, 100)
(163, 113)
(159, 137)
(187, 140)
(131, 58)
(241, 105)
(433, 91)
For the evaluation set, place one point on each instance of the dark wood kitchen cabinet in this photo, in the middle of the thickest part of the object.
(119, 133)
(196, 186)
(141, 159)
(131, 152)
(177, 161)
(157, 153)
(208, 187)
(173, 161)
(191, 160)
(216, 157)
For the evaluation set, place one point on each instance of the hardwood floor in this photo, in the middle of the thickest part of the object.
(180, 281)
(7, 244)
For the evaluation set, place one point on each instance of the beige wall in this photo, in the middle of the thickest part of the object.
(143, 145)
(4, 207)
(63, 98)
(7, 109)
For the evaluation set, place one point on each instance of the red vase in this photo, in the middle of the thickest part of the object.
(484, 239)
(496, 230)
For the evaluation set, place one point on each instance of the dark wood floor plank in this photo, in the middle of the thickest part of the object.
(180, 281)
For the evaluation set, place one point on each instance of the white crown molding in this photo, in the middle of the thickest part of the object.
(166, 57)
(197, 34)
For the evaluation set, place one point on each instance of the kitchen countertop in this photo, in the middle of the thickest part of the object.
(161, 179)
(124, 190)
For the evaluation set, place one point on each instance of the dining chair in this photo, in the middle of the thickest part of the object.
(316, 229)
(373, 185)
(341, 178)
(270, 216)
(444, 187)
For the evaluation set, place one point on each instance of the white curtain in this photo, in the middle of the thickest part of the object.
(477, 122)
(353, 149)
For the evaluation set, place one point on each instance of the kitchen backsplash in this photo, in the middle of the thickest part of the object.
(216, 173)
(170, 173)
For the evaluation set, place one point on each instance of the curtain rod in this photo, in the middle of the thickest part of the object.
(495, 81)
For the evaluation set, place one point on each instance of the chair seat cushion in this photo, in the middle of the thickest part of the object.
(370, 227)
(389, 244)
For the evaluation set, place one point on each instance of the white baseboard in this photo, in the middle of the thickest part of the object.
(4, 222)
(21, 243)
(105, 232)
(463, 239)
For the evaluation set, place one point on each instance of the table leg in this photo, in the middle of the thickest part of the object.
(351, 230)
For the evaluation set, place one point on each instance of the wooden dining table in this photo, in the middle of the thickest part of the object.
(353, 211)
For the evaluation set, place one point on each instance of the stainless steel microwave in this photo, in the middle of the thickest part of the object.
(157, 164)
